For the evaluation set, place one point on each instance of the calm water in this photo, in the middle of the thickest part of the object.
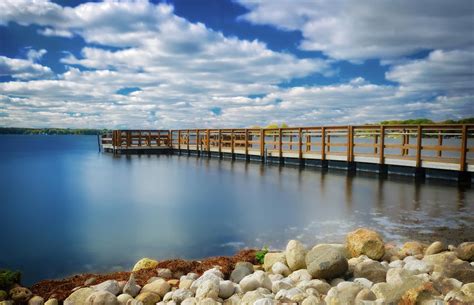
(65, 208)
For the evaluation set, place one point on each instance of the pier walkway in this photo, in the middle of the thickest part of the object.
(411, 149)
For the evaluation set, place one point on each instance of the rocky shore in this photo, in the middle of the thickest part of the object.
(364, 270)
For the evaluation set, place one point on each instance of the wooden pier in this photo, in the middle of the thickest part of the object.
(414, 149)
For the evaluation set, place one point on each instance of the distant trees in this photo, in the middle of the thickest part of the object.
(50, 131)
(426, 121)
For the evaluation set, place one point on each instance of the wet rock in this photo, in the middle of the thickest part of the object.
(412, 248)
(102, 297)
(226, 289)
(365, 242)
(20, 294)
(123, 298)
(325, 262)
(241, 270)
(295, 255)
(272, 258)
(131, 287)
(36, 300)
(436, 248)
(148, 298)
(371, 270)
(145, 263)
(254, 281)
(79, 296)
(159, 286)
(111, 286)
(280, 268)
(465, 251)
(208, 289)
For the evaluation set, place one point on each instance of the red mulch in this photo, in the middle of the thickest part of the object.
(61, 289)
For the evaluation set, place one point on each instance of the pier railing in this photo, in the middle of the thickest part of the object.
(429, 146)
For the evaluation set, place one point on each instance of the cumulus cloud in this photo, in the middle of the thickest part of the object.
(23, 69)
(358, 30)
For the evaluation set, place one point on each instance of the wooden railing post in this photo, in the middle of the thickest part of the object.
(382, 145)
(187, 141)
(280, 143)
(198, 142)
(208, 135)
(262, 143)
(129, 138)
(300, 143)
(323, 143)
(462, 165)
(232, 142)
(220, 142)
(440, 144)
(246, 142)
(350, 143)
(419, 137)
(179, 139)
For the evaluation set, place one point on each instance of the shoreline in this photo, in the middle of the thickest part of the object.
(364, 268)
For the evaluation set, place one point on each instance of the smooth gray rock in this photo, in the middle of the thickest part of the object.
(111, 286)
(325, 262)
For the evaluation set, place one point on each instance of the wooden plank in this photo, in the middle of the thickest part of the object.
(262, 142)
(440, 143)
(246, 142)
(280, 144)
(350, 143)
(323, 143)
(300, 143)
(220, 141)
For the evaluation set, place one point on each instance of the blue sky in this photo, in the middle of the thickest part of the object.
(222, 63)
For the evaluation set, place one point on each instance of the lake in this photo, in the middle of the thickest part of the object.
(66, 208)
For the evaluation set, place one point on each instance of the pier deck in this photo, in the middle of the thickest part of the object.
(414, 149)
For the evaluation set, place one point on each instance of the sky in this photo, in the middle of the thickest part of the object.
(234, 63)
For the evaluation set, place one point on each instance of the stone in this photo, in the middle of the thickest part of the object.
(291, 295)
(420, 295)
(226, 289)
(300, 275)
(159, 286)
(285, 283)
(52, 301)
(264, 301)
(465, 251)
(450, 266)
(185, 283)
(20, 294)
(208, 301)
(336, 281)
(9, 302)
(173, 282)
(396, 264)
(208, 289)
(3, 295)
(468, 289)
(254, 281)
(233, 300)
(418, 266)
(102, 297)
(311, 300)
(189, 301)
(275, 277)
(367, 242)
(456, 296)
(212, 274)
(436, 248)
(271, 258)
(363, 282)
(250, 297)
(412, 248)
(391, 293)
(148, 298)
(354, 261)
(371, 270)
(396, 276)
(123, 298)
(79, 296)
(321, 286)
(280, 268)
(111, 286)
(241, 270)
(145, 263)
(131, 287)
(89, 281)
(364, 295)
(179, 295)
(295, 255)
(36, 300)
(343, 293)
(164, 273)
(324, 262)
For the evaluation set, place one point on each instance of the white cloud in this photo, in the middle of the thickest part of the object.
(35, 55)
(23, 69)
(358, 30)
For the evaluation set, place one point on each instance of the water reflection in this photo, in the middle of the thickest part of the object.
(97, 212)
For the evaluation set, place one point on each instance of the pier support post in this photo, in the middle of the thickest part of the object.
(382, 170)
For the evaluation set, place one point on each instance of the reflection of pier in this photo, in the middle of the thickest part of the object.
(414, 149)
